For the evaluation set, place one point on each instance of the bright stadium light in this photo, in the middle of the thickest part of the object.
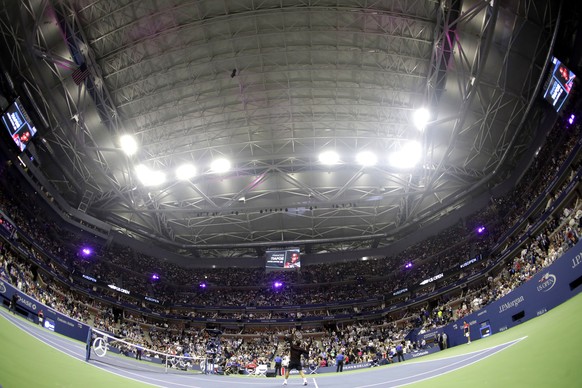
(149, 177)
(220, 165)
(366, 158)
(185, 172)
(329, 158)
(408, 156)
(128, 144)
(420, 117)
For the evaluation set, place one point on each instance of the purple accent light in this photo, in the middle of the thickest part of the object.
(571, 119)
(277, 284)
(481, 230)
(155, 276)
(408, 265)
(86, 251)
(202, 285)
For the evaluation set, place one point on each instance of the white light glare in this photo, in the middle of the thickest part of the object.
(408, 156)
(149, 177)
(329, 157)
(220, 165)
(366, 158)
(185, 172)
(420, 117)
(128, 144)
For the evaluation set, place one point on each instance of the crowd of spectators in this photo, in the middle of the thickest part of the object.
(313, 284)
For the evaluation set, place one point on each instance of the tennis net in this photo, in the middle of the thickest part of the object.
(105, 348)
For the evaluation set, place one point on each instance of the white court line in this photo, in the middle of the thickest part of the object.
(420, 360)
(48, 338)
(237, 380)
(475, 354)
(48, 342)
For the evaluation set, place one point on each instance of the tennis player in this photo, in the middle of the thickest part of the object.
(295, 358)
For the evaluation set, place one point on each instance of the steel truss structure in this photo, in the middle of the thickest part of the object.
(270, 84)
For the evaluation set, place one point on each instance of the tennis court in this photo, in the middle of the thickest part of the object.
(60, 361)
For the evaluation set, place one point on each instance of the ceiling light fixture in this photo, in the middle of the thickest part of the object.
(185, 172)
(408, 156)
(420, 118)
(149, 177)
(366, 158)
(128, 144)
(329, 158)
(220, 166)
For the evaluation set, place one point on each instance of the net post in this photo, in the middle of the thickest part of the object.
(88, 345)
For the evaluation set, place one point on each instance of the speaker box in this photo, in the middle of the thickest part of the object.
(271, 373)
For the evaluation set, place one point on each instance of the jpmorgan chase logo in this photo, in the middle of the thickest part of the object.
(546, 283)
(27, 303)
(2, 288)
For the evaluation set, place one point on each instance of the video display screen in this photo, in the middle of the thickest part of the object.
(559, 85)
(18, 124)
(283, 259)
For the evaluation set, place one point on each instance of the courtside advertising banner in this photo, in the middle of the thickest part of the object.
(57, 322)
(547, 289)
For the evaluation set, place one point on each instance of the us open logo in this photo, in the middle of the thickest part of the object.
(546, 283)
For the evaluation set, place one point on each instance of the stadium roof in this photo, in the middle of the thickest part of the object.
(270, 85)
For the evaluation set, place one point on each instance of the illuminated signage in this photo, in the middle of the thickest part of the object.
(122, 290)
(430, 280)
